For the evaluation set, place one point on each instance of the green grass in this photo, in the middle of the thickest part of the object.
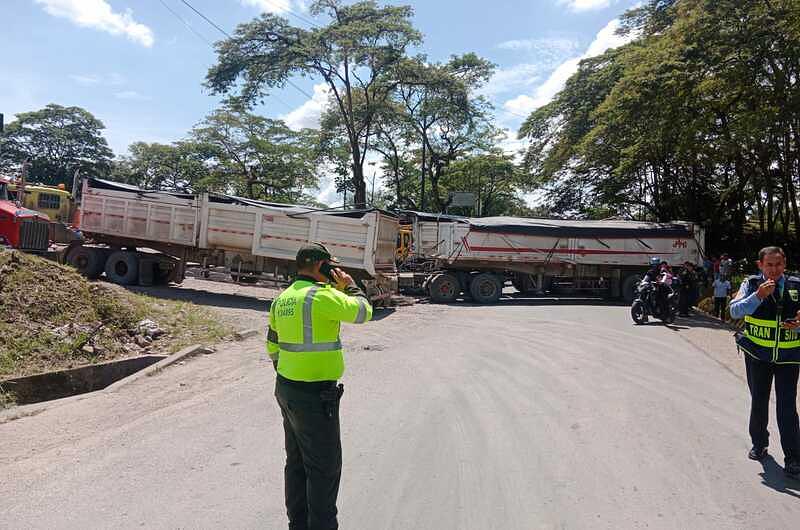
(48, 313)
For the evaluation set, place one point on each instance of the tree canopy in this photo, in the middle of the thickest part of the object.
(695, 119)
(355, 54)
(55, 141)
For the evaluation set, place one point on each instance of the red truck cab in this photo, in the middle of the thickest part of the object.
(22, 228)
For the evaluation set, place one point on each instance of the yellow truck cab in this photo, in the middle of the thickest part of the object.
(55, 201)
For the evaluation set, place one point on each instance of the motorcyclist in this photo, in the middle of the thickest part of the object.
(663, 286)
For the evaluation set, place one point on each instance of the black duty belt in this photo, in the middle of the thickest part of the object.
(306, 386)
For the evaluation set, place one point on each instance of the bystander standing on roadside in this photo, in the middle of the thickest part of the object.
(725, 266)
(708, 268)
(686, 288)
(722, 288)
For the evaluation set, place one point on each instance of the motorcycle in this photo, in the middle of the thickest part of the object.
(647, 303)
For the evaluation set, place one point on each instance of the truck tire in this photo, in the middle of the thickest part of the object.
(628, 289)
(486, 288)
(123, 268)
(89, 261)
(444, 288)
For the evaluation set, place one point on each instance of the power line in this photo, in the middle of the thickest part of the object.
(295, 15)
(185, 23)
(190, 6)
(289, 81)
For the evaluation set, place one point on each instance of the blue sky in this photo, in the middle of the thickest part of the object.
(139, 68)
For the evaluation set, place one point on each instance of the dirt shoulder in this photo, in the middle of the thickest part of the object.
(51, 318)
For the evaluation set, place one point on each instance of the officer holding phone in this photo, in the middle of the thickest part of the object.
(304, 345)
(770, 305)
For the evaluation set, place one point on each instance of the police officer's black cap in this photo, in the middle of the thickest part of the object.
(312, 253)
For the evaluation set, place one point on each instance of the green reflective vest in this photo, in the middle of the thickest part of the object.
(762, 336)
(303, 333)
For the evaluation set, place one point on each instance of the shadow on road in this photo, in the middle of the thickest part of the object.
(383, 312)
(774, 478)
(522, 300)
(205, 298)
(700, 320)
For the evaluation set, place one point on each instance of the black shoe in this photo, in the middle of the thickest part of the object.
(792, 469)
(757, 453)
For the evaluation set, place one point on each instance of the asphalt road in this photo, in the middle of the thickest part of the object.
(515, 416)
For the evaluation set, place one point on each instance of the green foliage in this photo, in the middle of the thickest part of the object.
(180, 167)
(56, 141)
(696, 119)
(257, 157)
(355, 54)
(48, 312)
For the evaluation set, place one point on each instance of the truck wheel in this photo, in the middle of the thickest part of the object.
(486, 288)
(444, 288)
(88, 261)
(123, 268)
(629, 285)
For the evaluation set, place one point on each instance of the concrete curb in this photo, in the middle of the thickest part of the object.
(157, 367)
(33, 409)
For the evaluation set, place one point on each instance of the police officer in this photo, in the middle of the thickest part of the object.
(303, 343)
(770, 305)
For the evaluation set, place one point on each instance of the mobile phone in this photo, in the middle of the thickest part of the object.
(327, 270)
(790, 321)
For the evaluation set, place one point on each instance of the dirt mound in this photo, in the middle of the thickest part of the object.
(53, 318)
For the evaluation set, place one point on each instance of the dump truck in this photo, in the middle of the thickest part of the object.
(20, 227)
(476, 257)
(137, 236)
(53, 201)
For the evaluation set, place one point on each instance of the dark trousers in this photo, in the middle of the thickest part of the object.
(684, 301)
(719, 307)
(759, 379)
(313, 454)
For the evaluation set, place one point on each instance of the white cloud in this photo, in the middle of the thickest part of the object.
(112, 79)
(131, 95)
(606, 39)
(308, 114)
(269, 6)
(586, 5)
(547, 46)
(515, 79)
(98, 14)
(545, 54)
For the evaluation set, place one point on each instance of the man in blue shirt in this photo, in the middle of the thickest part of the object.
(770, 305)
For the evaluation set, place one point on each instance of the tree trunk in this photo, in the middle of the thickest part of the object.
(359, 186)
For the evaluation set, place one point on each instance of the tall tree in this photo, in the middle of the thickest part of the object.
(441, 110)
(355, 54)
(257, 157)
(56, 141)
(181, 167)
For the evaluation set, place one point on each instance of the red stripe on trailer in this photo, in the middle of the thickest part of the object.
(229, 231)
(357, 247)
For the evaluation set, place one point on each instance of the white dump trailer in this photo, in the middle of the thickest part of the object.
(475, 256)
(140, 236)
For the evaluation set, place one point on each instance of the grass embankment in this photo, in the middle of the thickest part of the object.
(51, 318)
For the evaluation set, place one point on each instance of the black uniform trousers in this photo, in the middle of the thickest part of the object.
(313, 453)
(759, 378)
